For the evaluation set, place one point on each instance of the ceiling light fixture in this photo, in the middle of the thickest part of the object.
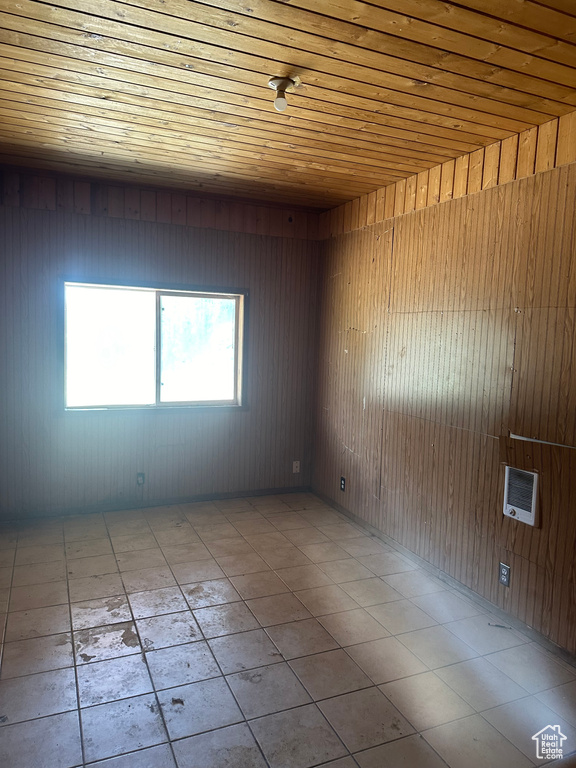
(281, 85)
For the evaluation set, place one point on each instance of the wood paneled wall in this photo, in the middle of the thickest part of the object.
(441, 331)
(44, 191)
(538, 149)
(52, 461)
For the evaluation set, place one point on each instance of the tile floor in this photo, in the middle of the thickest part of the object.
(255, 632)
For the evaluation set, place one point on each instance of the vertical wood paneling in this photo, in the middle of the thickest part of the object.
(476, 325)
(526, 153)
(51, 461)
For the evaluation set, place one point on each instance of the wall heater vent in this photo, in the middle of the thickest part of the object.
(520, 495)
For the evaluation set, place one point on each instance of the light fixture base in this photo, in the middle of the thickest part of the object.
(281, 83)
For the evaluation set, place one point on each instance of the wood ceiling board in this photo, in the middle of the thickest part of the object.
(178, 91)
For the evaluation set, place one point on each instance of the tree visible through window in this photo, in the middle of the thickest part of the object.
(146, 347)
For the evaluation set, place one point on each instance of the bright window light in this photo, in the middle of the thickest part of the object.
(146, 347)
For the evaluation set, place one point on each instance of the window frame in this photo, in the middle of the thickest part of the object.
(160, 289)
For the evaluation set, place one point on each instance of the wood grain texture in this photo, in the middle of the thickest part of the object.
(441, 331)
(52, 461)
(32, 189)
(176, 94)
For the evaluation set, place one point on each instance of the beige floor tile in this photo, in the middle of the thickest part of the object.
(266, 690)
(135, 527)
(481, 684)
(43, 553)
(266, 541)
(96, 613)
(304, 577)
(37, 622)
(214, 532)
(92, 566)
(207, 593)
(341, 532)
(90, 548)
(197, 707)
(561, 700)
(40, 654)
(113, 679)
(94, 587)
(4, 598)
(106, 642)
(253, 527)
(291, 523)
(411, 752)
(387, 563)
(225, 619)
(446, 606)
(426, 700)
(345, 570)
(38, 596)
(371, 591)
(285, 557)
(297, 738)
(400, 616)
(485, 633)
(170, 629)
(301, 638)
(278, 609)
(473, 743)
(157, 602)
(182, 664)
(385, 660)
(322, 553)
(414, 583)
(39, 573)
(343, 762)
(177, 536)
(6, 576)
(134, 543)
(50, 741)
(262, 584)
(437, 647)
(246, 650)
(230, 747)
(46, 693)
(303, 536)
(363, 546)
(329, 674)
(152, 757)
(351, 627)
(140, 558)
(518, 721)
(532, 668)
(328, 599)
(186, 553)
(238, 565)
(7, 557)
(228, 547)
(364, 719)
(201, 570)
(122, 726)
(148, 578)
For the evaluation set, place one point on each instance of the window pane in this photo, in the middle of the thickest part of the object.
(110, 346)
(197, 357)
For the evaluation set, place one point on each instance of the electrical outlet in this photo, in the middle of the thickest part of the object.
(295, 467)
(342, 483)
(140, 478)
(504, 577)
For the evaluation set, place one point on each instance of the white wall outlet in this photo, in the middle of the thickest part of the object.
(295, 467)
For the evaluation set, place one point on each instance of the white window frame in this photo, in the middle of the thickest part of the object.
(240, 299)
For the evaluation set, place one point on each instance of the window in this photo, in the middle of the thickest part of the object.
(149, 347)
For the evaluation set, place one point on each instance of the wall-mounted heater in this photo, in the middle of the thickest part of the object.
(520, 491)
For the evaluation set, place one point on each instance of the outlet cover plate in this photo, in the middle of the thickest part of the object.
(342, 483)
(504, 577)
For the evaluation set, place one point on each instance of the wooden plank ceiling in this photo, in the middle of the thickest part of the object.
(174, 92)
